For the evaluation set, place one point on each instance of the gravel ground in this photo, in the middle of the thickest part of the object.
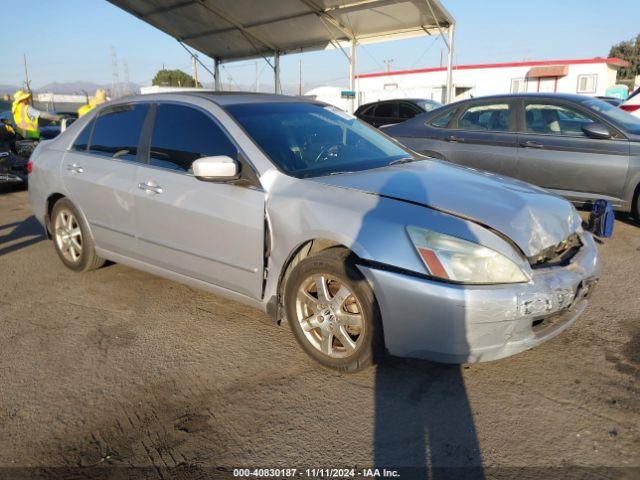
(116, 368)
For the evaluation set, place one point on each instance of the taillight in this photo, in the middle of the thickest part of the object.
(630, 108)
(29, 166)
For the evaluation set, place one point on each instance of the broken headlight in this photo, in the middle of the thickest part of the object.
(458, 260)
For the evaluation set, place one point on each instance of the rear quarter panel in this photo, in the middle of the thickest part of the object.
(633, 177)
(44, 179)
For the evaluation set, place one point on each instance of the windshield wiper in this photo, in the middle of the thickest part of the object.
(400, 161)
(339, 172)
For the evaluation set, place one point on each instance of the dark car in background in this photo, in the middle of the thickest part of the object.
(13, 168)
(389, 112)
(579, 147)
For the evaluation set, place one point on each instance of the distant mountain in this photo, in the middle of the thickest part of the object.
(8, 89)
(83, 87)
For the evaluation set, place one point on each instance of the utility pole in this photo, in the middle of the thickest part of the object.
(115, 80)
(125, 73)
(388, 63)
(195, 69)
(257, 79)
(27, 83)
(300, 78)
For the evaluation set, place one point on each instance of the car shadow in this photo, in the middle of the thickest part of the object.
(423, 426)
(628, 219)
(18, 235)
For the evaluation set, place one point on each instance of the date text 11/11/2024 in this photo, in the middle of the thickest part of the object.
(314, 473)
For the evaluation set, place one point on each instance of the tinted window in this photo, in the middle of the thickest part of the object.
(441, 121)
(117, 132)
(615, 115)
(306, 140)
(384, 110)
(368, 111)
(82, 141)
(406, 110)
(555, 120)
(494, 117)
(183, 134)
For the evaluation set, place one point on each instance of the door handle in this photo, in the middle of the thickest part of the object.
(75, 168)
(453, 139)
(530, 144)
(148, 187)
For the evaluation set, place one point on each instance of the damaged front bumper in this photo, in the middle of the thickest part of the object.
(461, 323)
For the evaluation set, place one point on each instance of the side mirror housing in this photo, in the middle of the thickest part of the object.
(216, 169)
(596, 130)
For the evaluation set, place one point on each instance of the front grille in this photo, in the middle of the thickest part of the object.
(557, 255)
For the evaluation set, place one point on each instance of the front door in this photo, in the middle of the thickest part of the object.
(100, 171)
(213, 232)
(554, 153)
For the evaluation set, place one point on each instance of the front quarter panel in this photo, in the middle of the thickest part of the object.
(373, 227)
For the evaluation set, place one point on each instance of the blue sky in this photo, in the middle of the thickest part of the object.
(70, 40)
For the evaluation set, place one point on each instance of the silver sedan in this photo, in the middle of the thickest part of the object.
(292, 206)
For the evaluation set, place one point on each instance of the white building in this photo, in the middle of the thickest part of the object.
(592, 76)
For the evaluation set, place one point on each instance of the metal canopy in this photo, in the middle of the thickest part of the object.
(228, 30)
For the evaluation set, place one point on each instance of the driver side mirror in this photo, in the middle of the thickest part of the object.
(596, 130)
(216, 169)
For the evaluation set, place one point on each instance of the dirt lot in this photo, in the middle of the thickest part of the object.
(117, 368)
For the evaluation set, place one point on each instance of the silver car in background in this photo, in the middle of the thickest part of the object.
(303, 211)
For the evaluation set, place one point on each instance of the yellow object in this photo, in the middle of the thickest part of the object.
(20, 96)
(83, 110)
(99, 98)
(27, 126)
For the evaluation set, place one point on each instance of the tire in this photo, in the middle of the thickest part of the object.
(635, 205)
(70, 234)
(340, 328)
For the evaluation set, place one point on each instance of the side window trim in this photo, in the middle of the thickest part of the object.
(241, 157)
(512, 125)
(454, 113)
(113, 108)
(89, 126)
(616, 134)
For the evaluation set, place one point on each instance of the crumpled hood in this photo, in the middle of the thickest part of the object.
(531, 217)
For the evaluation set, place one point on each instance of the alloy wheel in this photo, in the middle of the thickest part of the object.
(330, 316)
(68, 235)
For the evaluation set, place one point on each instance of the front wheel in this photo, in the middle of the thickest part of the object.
(333, 312)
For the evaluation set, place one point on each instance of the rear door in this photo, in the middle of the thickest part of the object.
(100, 173)
(483, 136)
(554, 153)
(213, 232)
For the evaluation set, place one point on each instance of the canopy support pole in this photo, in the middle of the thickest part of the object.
(216, 74)
(352, 76)
(276, 72)
(450, 93)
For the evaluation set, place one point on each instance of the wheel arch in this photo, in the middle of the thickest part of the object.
(303, 250)
(51, 201)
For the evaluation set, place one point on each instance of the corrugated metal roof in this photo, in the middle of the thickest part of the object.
(243, 29)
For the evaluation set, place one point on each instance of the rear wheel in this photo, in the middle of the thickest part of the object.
(71, 238)
(333, 313)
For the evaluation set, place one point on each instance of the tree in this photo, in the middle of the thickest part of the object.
(630, 51)
(174, 78)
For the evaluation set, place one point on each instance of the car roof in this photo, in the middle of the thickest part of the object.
(222, 98)
(574, 97)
